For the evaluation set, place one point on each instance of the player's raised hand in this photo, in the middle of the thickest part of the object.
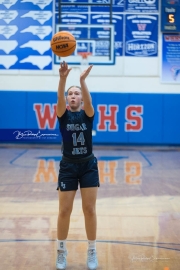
(64, 70)
(85, 73)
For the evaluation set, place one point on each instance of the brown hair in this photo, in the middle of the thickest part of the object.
(72, 87)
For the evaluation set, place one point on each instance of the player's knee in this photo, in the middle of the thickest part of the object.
(89, 210)
(65, 211)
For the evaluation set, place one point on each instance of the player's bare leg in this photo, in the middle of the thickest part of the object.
(89, 196)
(66, 199)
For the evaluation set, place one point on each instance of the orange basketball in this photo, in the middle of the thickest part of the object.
(63, 43)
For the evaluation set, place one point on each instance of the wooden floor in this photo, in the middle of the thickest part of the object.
(138, 209)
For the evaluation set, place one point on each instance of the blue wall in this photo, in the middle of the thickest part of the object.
(29, 117)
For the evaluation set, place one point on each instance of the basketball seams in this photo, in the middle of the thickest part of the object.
(69, 41)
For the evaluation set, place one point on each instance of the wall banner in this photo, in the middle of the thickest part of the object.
(144, 6)
(170, 65)
(25, 32)
(141, 35)
(118, 20)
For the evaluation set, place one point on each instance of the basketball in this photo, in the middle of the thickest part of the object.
(63, 43)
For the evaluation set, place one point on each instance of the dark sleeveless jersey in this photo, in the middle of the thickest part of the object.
(76, 131)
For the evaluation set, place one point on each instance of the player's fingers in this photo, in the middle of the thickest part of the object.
(69, 70)
(65, 65)
(62, 65)
(90, 67)
(88, 70)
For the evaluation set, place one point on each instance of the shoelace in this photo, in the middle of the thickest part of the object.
(61, 257)
(91, 255)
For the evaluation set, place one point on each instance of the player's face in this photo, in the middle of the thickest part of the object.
(74, 98)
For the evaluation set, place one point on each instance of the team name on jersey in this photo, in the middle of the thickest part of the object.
(76, 127)
(80, 150)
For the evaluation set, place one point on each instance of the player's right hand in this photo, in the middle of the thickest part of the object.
(64, 70)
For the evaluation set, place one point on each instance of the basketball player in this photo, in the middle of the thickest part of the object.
(78, 165)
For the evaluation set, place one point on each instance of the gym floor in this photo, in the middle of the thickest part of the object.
(138, 209)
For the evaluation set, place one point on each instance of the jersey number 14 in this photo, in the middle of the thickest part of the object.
(79, 139)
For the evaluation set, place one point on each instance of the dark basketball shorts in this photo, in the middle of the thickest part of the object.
(84, 174)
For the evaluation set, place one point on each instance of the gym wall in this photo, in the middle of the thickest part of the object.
(136, 100)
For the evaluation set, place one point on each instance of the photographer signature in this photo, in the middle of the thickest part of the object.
(29, 133)
(143, 258)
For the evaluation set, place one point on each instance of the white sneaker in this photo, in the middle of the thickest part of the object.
(92, 262)
(61, 259)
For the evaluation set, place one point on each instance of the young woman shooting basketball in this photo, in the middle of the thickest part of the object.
(78, 165)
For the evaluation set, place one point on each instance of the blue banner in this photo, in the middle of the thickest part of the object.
(117, 20)
(72, 18)
(144, 6)
(119, 118)
(117, 6)
(99, 6)
(141, 35)
(170, 70)
(25, 34)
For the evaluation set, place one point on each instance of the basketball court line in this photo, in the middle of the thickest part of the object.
(144, 156)
(145, 244)
(18, 156)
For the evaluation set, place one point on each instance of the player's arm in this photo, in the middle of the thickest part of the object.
(87, 100)
(61, 102)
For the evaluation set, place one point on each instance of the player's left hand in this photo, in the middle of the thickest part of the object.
(85, 73)
(64, 70)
